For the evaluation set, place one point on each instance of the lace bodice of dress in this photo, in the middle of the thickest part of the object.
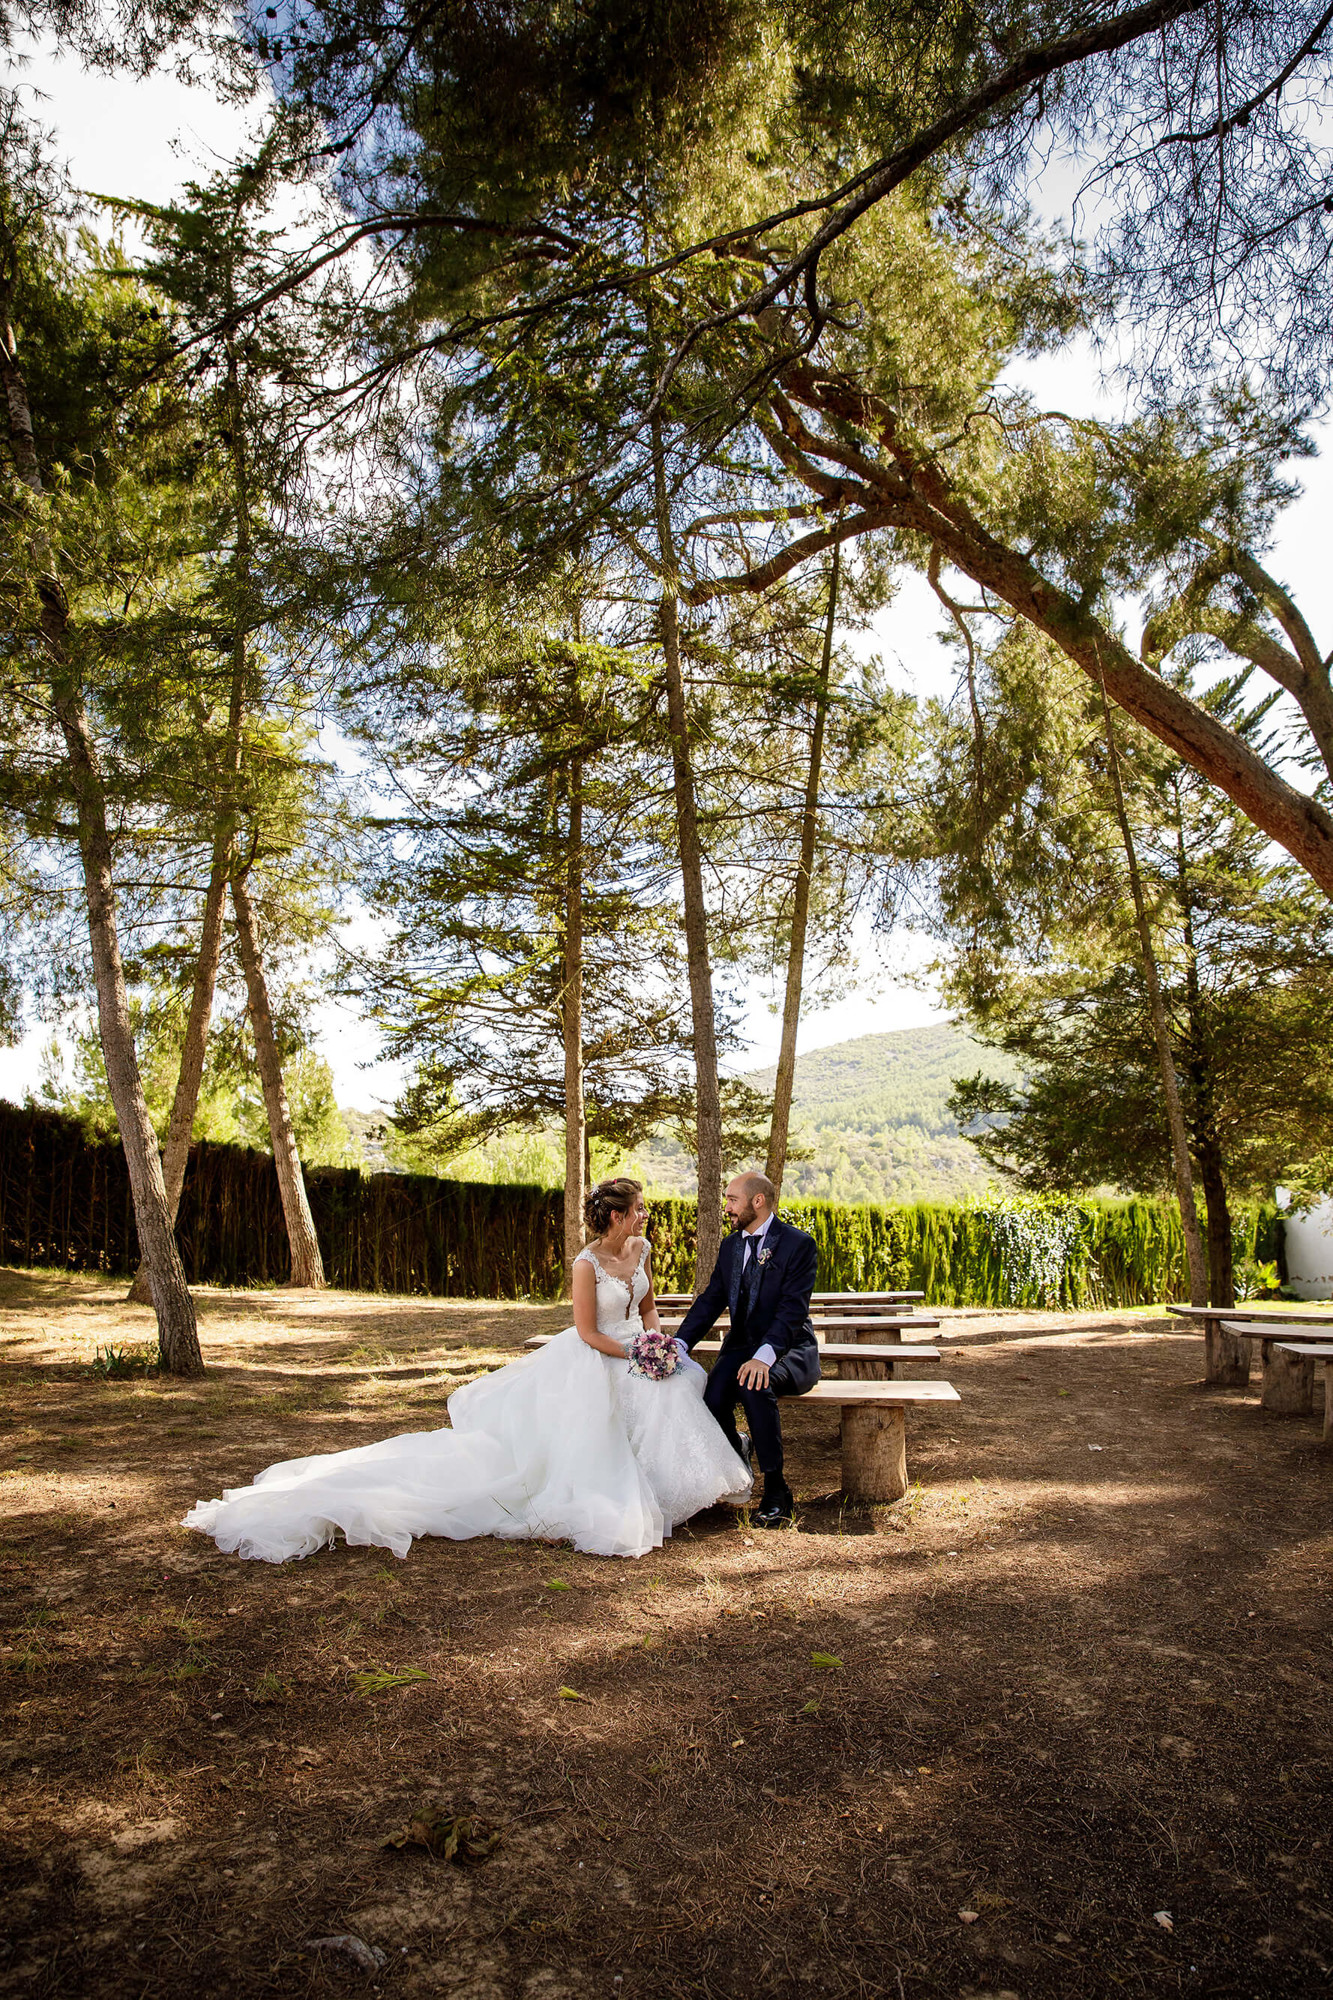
(618, 1299)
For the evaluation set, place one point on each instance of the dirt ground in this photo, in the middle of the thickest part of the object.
(1057, 1724)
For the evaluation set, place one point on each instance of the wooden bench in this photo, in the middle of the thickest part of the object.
(854, 1360)
(877, 1359)
(1288, 1383)
(874, 1413)
(1226, 1353)
(856, 1326)
(832, 1302)
(874, 1432)
(1302, 1359)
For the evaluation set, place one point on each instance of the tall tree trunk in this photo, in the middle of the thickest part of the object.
(800, 912)
(193, 1051)
(177, 1329)
(1221, 1264)
(707, 1094)
(1212, 1169)
(571, 1021)
(195, 1046)
(307, 1264)
(1175, 1117)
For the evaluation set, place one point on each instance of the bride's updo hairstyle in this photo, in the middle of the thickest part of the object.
(607, 1200)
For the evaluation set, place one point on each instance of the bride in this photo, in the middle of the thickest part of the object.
(565, 1444)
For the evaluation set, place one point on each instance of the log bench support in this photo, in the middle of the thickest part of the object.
(1226, 1356)
(874, 1432)
(874, 1453)
(1289, 1368)
(1288, 1381)
(1289, 1354)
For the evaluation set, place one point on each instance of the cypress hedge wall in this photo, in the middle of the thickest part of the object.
(1058, 1253)
(66, 1202)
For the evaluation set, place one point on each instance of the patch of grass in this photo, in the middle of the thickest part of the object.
(32, 1650)
(368, 1356)
(379, 1680)
(189, 1668)
(271, 1687)
(145, 1763)
(114, 1363)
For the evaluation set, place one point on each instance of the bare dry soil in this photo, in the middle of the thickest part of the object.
(1057, 1724)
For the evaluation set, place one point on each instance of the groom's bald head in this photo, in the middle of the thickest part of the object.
(750, 1197)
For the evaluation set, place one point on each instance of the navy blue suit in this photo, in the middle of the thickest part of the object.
(771, 1306)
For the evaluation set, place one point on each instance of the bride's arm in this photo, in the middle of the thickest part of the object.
(648, 1304)
(585, 1313)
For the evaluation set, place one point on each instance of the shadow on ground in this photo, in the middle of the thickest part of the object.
(1057, 1724)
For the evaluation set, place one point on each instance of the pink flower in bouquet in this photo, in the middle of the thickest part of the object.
(654, 1354)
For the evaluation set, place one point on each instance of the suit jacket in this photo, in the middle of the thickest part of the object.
(777, 1306)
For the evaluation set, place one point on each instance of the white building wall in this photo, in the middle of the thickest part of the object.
(1309, 1247)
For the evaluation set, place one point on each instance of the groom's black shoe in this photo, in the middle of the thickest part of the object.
(778, 1506)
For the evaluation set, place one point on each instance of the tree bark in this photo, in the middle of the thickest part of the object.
(177, 1328)
(1212, 1168)
(708, 1099)
(571, 1022)
(194, 1048)
(874, 1452)
(885, 484)
(307, 1264)
(785, 1080)
(1175, 1116)
(1221, 1267)
(303, 1243)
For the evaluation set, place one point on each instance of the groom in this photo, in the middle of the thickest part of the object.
(765, 1273)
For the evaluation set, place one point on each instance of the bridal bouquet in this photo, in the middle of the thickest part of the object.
(654, 1354)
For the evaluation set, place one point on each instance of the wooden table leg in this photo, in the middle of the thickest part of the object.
(1288, 1382)
(1226, 1356)
(874, 1453)
(866, 1371)
(1328, 1402)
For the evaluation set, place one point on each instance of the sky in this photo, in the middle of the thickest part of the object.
(144, 138)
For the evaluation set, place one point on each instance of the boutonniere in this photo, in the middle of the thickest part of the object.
(764, 1255)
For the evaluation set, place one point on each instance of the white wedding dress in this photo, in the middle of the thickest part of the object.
(563, 1445)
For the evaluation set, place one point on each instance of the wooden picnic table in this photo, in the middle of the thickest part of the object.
(1226, 1353)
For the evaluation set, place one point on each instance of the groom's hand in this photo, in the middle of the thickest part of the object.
(753, 1374)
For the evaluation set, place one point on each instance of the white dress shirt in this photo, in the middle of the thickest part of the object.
(751, 1243)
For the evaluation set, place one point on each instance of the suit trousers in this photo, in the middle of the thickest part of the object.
(760, 1406)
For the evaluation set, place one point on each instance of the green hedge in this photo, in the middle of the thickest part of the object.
(66, 1202)
(1115, 1253)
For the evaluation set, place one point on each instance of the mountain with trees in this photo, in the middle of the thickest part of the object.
(871, 1120)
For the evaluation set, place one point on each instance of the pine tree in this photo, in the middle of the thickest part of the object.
(91, 339)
